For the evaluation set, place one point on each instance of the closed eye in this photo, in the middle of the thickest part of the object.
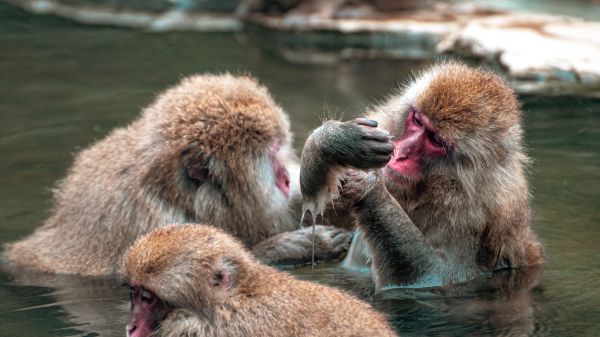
(146, 296)
(437, 141)
(417, 120)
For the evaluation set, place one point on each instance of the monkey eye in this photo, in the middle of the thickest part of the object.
(417, 120)
(437, 141)
(146, 296)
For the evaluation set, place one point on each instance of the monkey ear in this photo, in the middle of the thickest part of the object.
(223, 276)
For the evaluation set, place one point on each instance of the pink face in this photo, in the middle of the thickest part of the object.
(282, 177)
(419, 142)
(147, 312)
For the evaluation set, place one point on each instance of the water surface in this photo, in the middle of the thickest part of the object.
(64, 86)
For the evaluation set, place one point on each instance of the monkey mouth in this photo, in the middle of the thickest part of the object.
(396, 177)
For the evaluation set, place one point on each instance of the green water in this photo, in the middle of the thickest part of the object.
(63, 86)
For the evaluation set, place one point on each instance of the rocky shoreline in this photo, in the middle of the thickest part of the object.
(538, 52)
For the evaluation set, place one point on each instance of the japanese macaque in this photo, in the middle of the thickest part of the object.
(214, 149)
(195, 280)
(451, 202)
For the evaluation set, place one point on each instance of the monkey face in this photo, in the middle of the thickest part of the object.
(420, 142)
(451, 120)
(178, 268)
(147, 311)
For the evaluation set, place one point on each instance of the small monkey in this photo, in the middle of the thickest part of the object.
(214, 149)
(195, 280)
(451, 200)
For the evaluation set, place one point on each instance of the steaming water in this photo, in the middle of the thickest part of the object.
(64, 86)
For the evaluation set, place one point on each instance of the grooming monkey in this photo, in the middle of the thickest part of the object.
(214, 149)
(451, 202)
(195, 280)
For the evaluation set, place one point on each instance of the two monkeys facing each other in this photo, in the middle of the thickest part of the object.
(436, 189)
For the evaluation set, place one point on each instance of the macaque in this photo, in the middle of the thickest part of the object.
(214, 149)
(194, 280)
(451, 202)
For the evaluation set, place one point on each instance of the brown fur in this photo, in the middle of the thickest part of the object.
(177, 263)
(473, 207)
(136, 179)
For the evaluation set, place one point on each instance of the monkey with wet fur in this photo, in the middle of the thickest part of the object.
(195, 280)
(451, 200)
(214, 149)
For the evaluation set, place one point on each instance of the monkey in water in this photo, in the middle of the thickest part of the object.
(214, 149)
(194, 280)
(451, 200)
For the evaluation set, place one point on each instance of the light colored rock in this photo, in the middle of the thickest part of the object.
(536, 51)
(181, 20)
(532, 47)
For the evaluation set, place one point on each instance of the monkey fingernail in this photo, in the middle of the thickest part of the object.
(366, 122)
(370, 122)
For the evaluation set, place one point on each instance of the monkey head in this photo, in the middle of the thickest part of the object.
(452, 121)
(218, 145)
(188, 267)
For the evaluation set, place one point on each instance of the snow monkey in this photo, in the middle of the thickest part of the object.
(214, 149)
(195, 280)
(451, 200)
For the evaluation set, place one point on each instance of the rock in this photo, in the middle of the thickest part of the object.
(532, 47)
(536, 51)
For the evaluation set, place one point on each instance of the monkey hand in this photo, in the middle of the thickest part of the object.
(357, 143)
(296, 246)
(355, 185)
(335, 146)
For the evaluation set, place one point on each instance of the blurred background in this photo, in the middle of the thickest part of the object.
(72, 70)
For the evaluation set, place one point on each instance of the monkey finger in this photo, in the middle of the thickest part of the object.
(341, 238)
(380, 148)
(366, 122)
(376, 134)
(378, 161)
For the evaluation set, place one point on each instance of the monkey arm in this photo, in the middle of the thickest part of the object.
(400, 253)
(296, 246)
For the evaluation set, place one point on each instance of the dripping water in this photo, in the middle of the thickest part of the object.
(310, 207)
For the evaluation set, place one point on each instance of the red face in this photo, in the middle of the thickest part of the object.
(147, 312)
(419, 142)
(282, 177)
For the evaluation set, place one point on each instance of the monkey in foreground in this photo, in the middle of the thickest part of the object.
(214, 149)
(194, 280)
(451, 200)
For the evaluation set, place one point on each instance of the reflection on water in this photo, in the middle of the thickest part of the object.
(63, 86)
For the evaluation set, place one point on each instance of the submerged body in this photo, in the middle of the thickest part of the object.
(451, 202)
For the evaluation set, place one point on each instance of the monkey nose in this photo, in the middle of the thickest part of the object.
(399, 154)
(130, 329)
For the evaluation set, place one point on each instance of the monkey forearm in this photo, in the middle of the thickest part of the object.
(400, 253)
(297, 246)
